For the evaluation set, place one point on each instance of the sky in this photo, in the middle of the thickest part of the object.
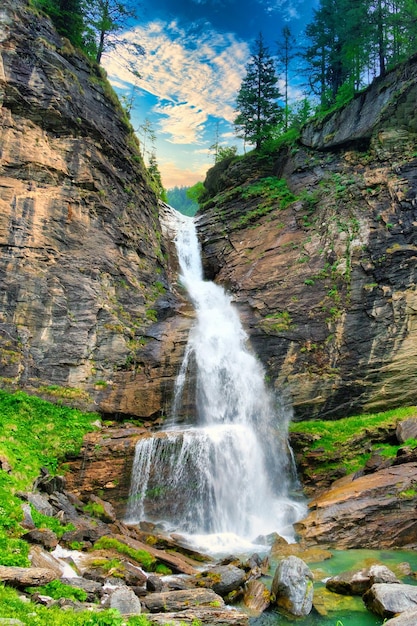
(196, 53)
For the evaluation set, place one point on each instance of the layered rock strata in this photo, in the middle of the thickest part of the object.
(322, 265)
(87, 315)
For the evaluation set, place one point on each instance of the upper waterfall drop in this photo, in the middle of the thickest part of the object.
(229, 472)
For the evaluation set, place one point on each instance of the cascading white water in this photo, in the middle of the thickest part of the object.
(230, 472)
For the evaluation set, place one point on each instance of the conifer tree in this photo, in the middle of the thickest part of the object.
(256, 103)
(285, 55)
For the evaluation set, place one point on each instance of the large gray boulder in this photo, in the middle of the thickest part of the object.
(125, 601)
(355, 583)
(292, 586)
(387, 600)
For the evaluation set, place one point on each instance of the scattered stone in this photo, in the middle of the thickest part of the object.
(223, 579)
(292, 586)
(39, 502)
(355, 583)
(43, 537)
(256, 597)
(408, 618)
(125, 600)
(107, 513)
(407, 429)
(172, 601)
(27, 521)
(154, 583)
(39, 557)
(386, 599)
(26, 576)
(204, 615)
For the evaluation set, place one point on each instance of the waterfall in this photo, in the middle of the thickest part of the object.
(230, 471)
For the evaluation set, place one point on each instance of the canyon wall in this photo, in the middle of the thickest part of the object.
(320, 257)
(323, 268)
(87, 313)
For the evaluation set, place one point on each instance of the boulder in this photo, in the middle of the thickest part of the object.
(408, 618)
(256, 596)
(373, 511)
(92, 588)
(223, 579)
(172, 601)
(43, 537)
(26, 576)
(39, 557)
(125, 601)
(292, 586)
(386, 599)
(204, 615)
(357, 582)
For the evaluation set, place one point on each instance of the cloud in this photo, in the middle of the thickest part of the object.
(175, 176)
(193, 72)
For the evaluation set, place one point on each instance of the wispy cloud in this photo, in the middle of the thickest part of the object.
(194, 73)
(173, 175)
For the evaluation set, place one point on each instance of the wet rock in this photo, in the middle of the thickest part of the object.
(154, 583)
(43, 537)
(26, 576)
(44, 559)
(408, 618)
(256, 597)
(326, 602)
(133, 575)
(180, 600)
(357, 582)
(223, 579)
(374, 511)
(388, 599)
(204, 615)
(292, 586)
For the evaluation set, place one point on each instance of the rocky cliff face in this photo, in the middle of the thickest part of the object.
(324, 269)
(86, 310)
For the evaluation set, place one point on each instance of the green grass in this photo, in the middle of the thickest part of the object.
(141, 556)
(34, 433)
(345, 437)
(31, 614)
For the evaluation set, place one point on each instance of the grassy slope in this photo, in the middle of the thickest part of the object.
(342, 442)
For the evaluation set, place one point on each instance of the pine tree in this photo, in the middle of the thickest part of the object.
(285, 56)
(256, 103)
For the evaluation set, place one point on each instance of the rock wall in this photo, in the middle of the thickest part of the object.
(326, 285)
(87, 313)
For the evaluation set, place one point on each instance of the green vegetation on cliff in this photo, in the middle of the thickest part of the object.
(348, 443)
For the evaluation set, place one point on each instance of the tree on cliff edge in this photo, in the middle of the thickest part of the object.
(104, 20)
(256, 103)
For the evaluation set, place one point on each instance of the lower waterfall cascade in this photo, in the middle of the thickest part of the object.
(225, 478)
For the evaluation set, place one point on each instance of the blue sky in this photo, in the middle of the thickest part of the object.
(196, 53)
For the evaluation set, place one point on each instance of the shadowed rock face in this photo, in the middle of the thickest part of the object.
(327, 285)
(87, 314)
